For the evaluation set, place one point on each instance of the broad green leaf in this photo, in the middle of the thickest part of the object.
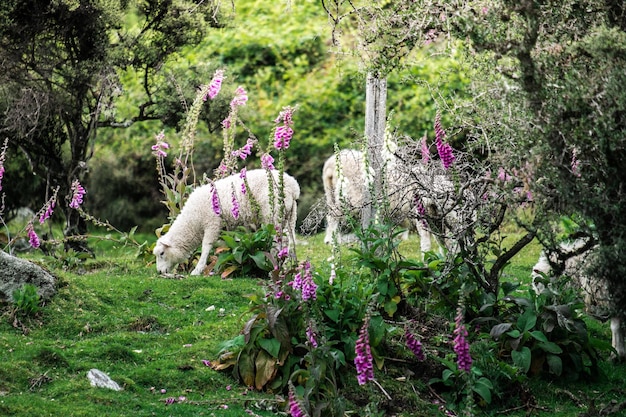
(522, 358)
(514, 333)
(272, 346)
(260, 259)
(526, 321)
(483, 388)
(391, 307)
(539, 336)
(333, 315)
(555, 364)
(550, 347)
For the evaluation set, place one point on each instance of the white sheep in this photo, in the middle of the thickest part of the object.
(198, 223)
(595, 291)
(345, 180)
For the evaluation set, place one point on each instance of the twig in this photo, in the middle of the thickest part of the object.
(382, 389)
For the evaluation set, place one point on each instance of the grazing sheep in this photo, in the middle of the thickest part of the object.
(344, 178)
(595, 292)
(198, 223)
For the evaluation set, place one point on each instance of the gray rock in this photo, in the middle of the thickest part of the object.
(99, 379)
(16, 272)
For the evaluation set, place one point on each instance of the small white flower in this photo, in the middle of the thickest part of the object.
(210, 308)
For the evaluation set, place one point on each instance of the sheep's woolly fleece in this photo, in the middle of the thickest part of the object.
(345, 178)
(198, 223)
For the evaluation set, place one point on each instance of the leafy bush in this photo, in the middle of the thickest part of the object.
(243, 253)
(545, 334)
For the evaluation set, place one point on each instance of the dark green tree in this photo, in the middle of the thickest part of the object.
(557, 112)
(60, 65)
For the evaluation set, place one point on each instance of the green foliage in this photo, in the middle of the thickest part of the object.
(26, 300)
(243, 253)
(545, 334)
(464, 386)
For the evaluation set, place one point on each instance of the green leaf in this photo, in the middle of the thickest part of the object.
(260, 259)
(446, 374)
(538, 335)
(522, 358)
(333, 315)
(555, 364)
(499, 329)
(391, 307)
(550, 347)
(526, 321)
(271, 346)
(514, 333)
(483, 388)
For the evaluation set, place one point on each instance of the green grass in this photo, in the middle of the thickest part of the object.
(150, 334)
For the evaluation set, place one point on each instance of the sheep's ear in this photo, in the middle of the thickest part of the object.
(164, 241)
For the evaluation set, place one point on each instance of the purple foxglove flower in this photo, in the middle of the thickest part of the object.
(3, 155)
(294, 407)
(444, 149)
(363, 361)
(235, 209)
(461, 345)
(215, 202)
(267, 162)
(282, 137)
(241, 97)
(311, 336)
(77, 194)
(159, 148)
(33, 239)
(503, 176)
(283, 253)
(242, 175)
(215, 85)
(48, 212)
(415, 345)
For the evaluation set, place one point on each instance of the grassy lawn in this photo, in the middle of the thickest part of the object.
(151, 334)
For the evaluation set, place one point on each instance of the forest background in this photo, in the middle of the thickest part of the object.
(282, 54)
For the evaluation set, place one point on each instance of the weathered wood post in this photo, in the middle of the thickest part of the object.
(375, 119)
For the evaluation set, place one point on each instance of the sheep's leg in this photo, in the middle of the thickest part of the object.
(332, 225)
(617, 339)
(207, 243)
(291, 244)
(425, 237)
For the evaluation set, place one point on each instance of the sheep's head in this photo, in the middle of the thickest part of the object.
(167, 257)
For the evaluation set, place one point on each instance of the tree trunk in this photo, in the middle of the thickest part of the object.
(375, 118)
